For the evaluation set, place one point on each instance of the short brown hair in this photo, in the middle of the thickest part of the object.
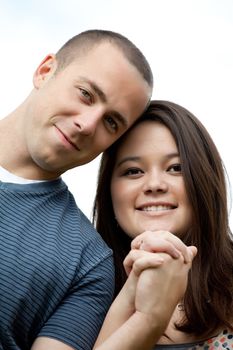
(88, 39)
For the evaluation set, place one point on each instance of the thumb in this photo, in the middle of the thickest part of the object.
(192, 252)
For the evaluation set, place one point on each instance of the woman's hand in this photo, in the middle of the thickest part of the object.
(161, 241)
(159, 289)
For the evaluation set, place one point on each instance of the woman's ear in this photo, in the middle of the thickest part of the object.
(45, 70)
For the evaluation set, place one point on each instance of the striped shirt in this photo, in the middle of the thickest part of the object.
(57, 275)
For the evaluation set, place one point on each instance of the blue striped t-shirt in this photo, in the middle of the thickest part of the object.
(57, 275)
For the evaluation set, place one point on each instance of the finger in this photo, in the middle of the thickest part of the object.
(136, 242)
(181, 247)
(145, 263)
(147, 235)
(161, 245)
(193, 252)
(136, 254)
(152, 241)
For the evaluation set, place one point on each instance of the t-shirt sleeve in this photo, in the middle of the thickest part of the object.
(78, 319)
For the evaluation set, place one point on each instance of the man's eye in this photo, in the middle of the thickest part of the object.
(86, 94)
(175, 168)
(111, 123)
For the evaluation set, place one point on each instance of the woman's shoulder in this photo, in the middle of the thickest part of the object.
(223, 340)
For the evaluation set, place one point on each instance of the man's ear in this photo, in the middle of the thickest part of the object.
(45, 70)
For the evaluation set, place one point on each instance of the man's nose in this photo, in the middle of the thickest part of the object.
(87, 122)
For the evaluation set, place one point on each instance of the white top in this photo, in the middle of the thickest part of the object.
(6, 176)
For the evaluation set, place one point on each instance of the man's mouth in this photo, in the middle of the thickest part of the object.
(67, 139)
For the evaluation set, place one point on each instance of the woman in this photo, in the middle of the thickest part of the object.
(164, 175)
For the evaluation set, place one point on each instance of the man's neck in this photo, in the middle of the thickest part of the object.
(13, 150)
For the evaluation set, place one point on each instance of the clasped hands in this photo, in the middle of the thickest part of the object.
(157, 267)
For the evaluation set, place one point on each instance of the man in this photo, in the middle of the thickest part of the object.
(56, 272)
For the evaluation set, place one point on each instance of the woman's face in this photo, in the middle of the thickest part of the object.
(147, 185)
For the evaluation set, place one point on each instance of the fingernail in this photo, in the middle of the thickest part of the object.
(161, 261)
(176, 254)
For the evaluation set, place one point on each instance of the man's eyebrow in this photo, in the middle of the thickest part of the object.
(121, 119)
(96, 88)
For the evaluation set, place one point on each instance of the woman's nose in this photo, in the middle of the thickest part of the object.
(155, 183)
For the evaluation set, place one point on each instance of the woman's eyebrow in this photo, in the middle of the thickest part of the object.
(127, 159)
(137, 158)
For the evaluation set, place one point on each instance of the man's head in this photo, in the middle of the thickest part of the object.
(85, 97)
(86, 41)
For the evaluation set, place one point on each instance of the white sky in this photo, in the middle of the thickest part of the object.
(189, 44)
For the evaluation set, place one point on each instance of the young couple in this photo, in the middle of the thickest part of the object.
(161, 201)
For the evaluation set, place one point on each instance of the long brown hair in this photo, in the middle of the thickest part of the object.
(208, 300)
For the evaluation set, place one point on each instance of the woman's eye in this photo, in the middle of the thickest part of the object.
(175, 168)
(132, 171)
(111, 123)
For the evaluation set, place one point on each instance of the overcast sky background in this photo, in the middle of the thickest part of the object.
(189, 44)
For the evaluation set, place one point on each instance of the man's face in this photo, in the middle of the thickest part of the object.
(77, 113)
